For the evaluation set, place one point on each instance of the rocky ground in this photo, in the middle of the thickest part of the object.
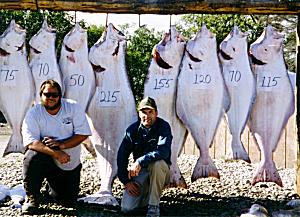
(230, 196)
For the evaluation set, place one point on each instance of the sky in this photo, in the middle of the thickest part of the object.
(158, 22)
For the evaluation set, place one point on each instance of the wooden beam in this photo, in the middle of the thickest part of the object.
(297, 187)
(160, 6)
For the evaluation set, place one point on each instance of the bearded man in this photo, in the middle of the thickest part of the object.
(52, 133)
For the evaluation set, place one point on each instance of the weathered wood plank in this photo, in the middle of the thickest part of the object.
(297, 184)
(160, 6)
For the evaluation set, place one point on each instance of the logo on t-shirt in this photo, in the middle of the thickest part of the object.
(67, 120)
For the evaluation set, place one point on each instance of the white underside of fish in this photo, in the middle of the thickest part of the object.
(240, 83)
(112, 109)
(78, 77)
(273, 106)
(200, 105)
(161, 85)
(16, 96)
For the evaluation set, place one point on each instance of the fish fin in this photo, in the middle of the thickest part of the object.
(204, 169)
(267, 172)
(103, 198)
(15, 145)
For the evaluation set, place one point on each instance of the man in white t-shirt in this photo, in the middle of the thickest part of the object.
(52, 133)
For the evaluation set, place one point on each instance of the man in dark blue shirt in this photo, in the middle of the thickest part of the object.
(149, 140)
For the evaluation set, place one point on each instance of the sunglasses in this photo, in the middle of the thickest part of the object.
(53, 95)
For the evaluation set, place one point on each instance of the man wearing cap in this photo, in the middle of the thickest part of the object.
(149, 140)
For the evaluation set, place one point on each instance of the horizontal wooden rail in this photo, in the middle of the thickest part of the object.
(159, 6)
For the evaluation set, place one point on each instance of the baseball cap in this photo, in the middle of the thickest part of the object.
(147, 102)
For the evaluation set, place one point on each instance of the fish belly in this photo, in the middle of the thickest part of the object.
(79, 80)
(241, 88)
(200, 106)
(16, 97)
(271, 111)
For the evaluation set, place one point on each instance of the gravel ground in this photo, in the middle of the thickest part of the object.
(230, 196)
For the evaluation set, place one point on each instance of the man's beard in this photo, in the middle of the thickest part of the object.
(51, 108)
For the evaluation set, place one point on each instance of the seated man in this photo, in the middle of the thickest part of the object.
(149, 140)
(52, 132)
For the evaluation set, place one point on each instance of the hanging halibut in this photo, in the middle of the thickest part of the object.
(202, 97)
(274, 102)
(161, 84)
(240, 83)
(77, 71)
(16, 83)
(43, 61)
(112, 109)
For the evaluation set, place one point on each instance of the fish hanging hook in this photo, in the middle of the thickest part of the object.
(139, 20)
(267, 21)
(106, 21)
(37, 5)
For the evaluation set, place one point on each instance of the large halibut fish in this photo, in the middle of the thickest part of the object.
(161, 84)
(43, 61)
(240, 83)
(202, 97)
(78, 75)
(112, 109)
(274, 102)
(16, 83)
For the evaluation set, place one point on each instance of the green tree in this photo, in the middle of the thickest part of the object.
(221, 25)
(138, 58)
(94, 33)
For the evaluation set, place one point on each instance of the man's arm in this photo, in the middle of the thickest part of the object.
(65, 144)
(122, 158)
(59, 155)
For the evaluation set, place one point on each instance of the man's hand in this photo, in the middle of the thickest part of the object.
(134, 170)
(51, 143)
(62, 156)
(133, 189)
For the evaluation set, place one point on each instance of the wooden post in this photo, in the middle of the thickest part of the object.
(298, 114)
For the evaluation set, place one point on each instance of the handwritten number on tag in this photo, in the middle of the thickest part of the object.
(76, 79)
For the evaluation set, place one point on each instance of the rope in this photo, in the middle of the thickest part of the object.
(37, 5)
(170, 20)
(75, 17)
(106, 21)
(139, 20)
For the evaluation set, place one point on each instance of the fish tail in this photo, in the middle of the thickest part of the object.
(267, 172)
(205, 168)
(14, 145)
(238, 151)
(176, 178)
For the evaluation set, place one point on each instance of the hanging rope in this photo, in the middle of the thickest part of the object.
(202, 15)
(106, 21)
(37, 5)
(170, 20)
(267, 21)
(139, 20)
(75, 17)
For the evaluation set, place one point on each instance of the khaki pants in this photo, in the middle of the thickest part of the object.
(152, 181)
